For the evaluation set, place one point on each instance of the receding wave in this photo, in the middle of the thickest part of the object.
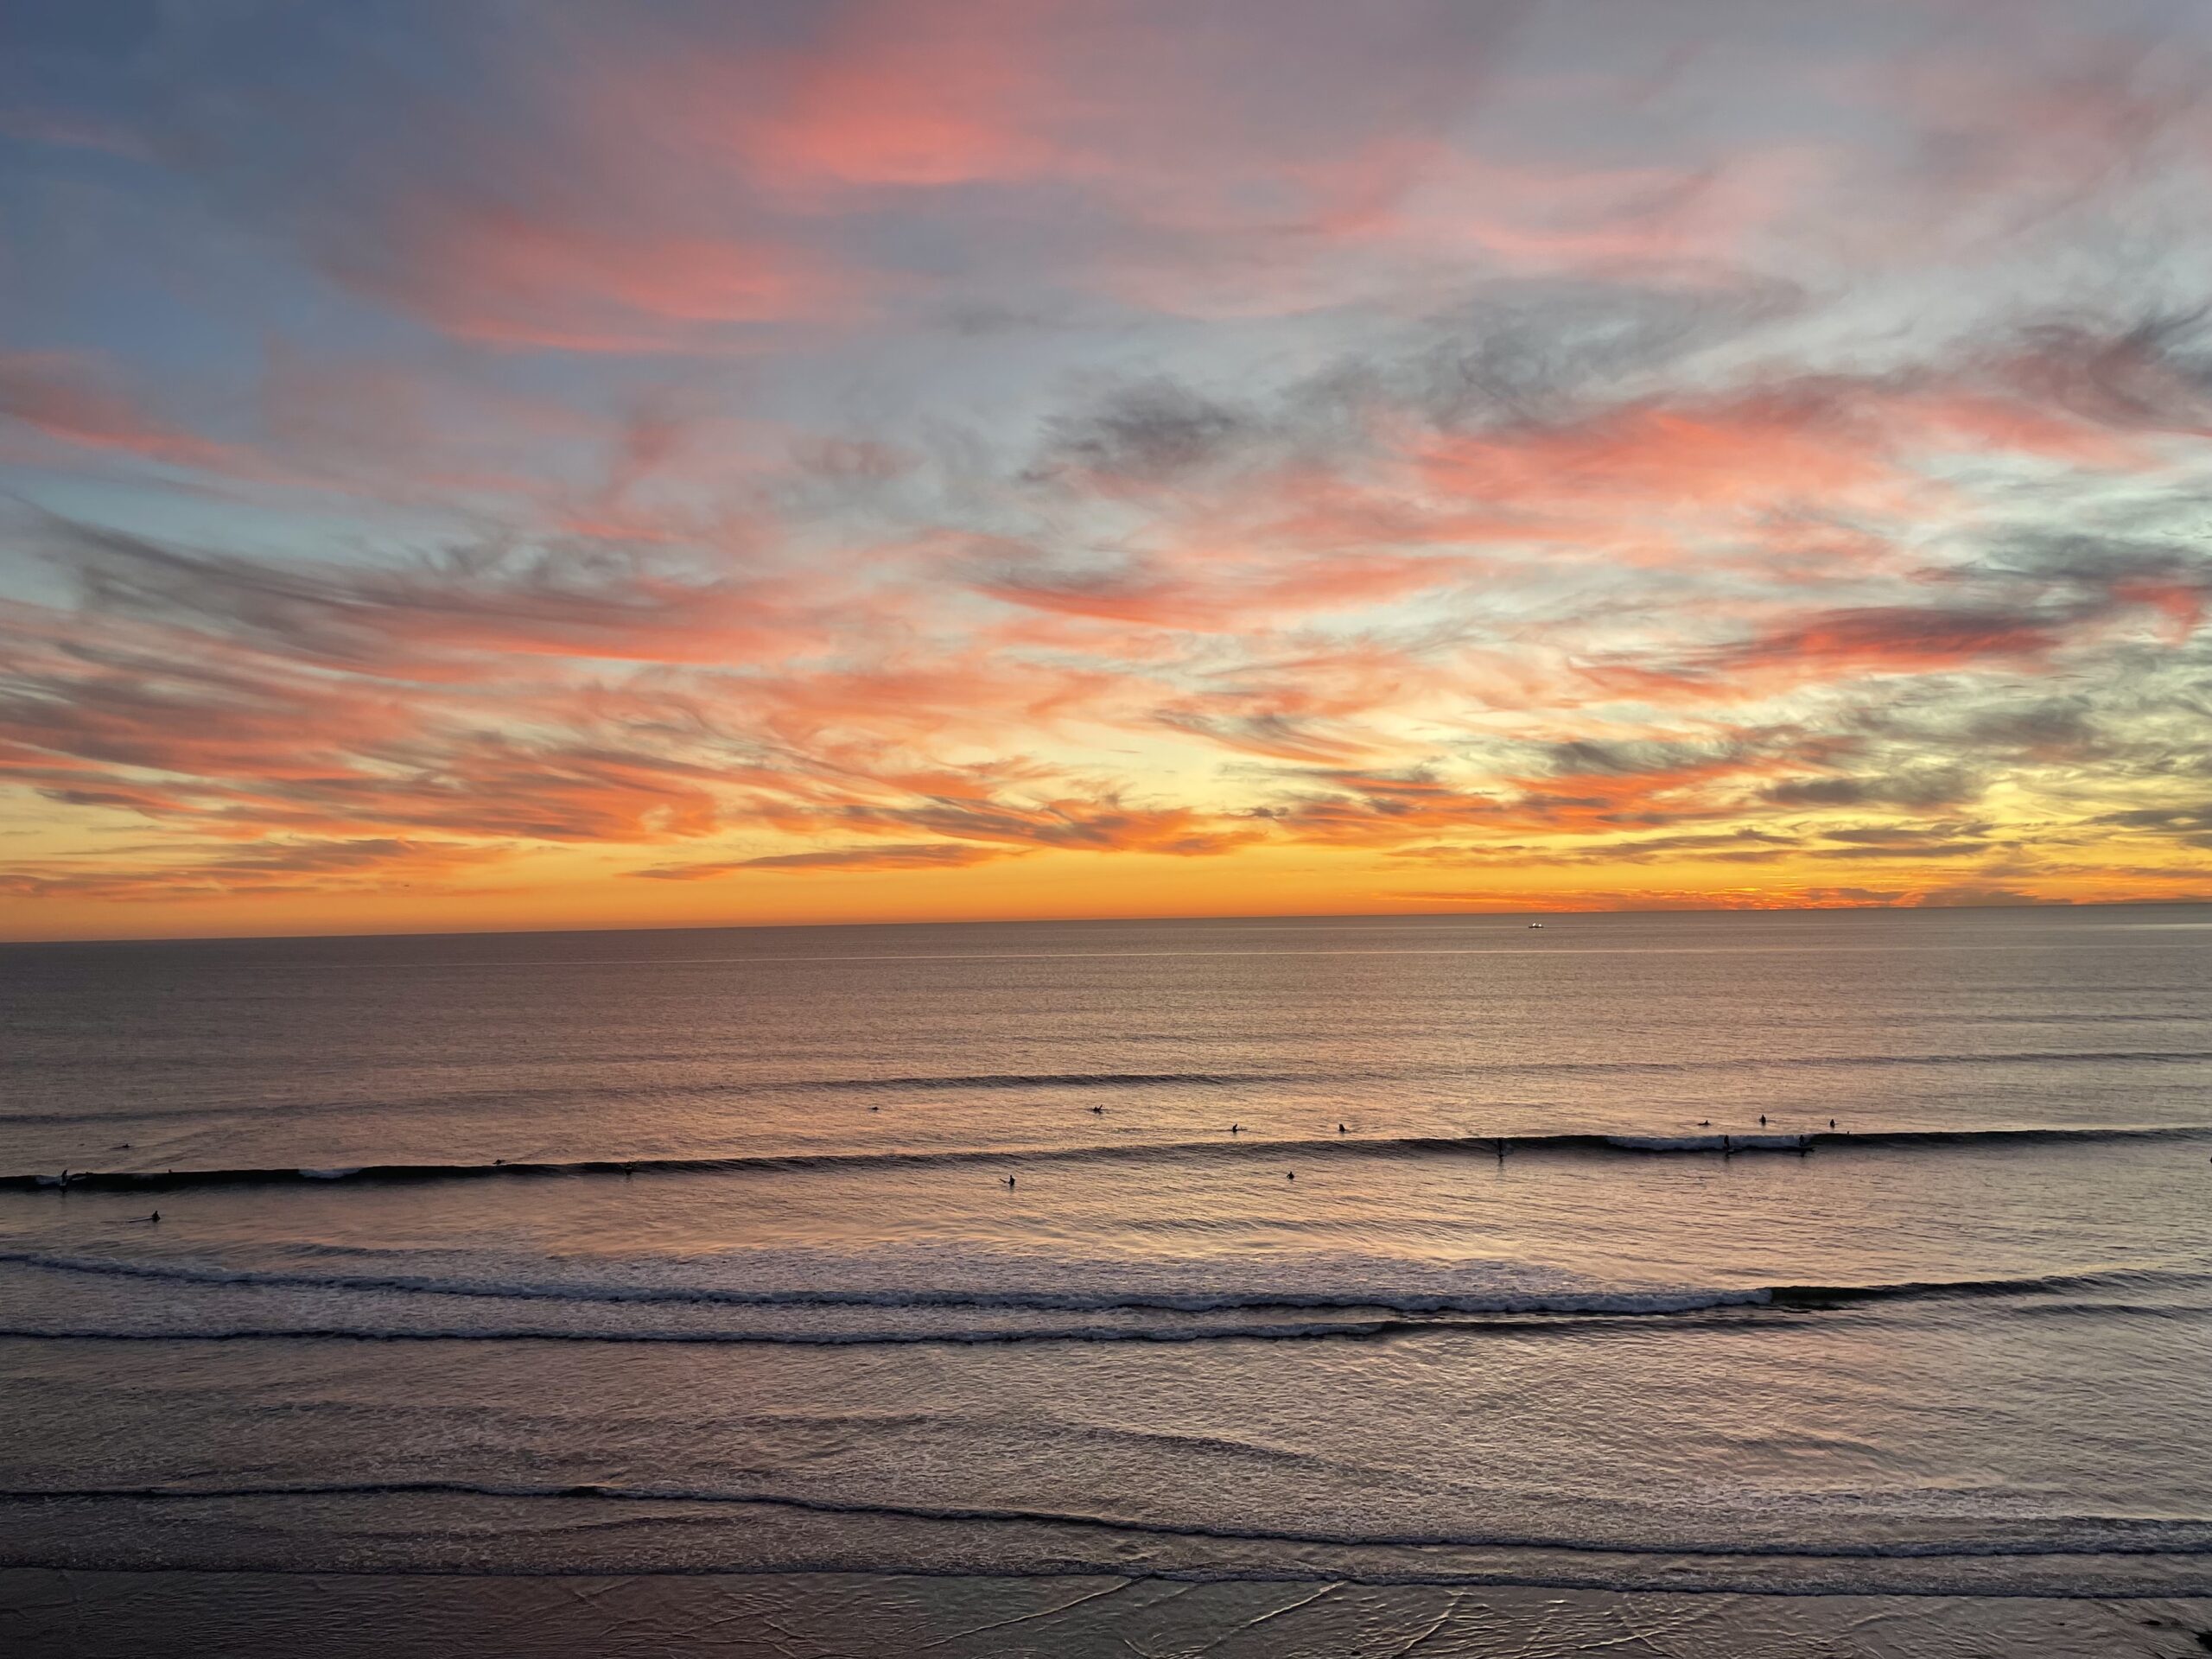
(1725, 1145)
(1058, 1080)
(2098, 1534)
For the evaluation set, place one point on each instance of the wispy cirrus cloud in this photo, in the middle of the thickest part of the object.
(912, 856)
(270, 871)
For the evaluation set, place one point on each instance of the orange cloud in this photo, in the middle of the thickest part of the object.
(272, 870)
(1080, 825)
(920, 855)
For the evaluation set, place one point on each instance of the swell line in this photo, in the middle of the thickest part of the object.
(2095, 1535)
(1725, 1144)
(920, 1083)
(986, 1081)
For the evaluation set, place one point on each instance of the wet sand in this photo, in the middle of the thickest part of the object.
(102, 1615)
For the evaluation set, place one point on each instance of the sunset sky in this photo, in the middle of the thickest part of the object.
(485, 464)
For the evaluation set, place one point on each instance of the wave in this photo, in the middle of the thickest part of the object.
(1779, 1313)
(1917, 1290)
(2062, 1535)
(1058, 1080)
(1382, 1306)
(1289, 1330)
(1726, 1144)
(1658, 1300)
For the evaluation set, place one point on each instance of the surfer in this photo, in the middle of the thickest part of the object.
(1236, 1128)
(1342, 1130)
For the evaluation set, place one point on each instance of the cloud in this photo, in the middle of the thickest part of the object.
(275, 870)
(1335, 442)
(573, 599)
(1971, 898)
(519, 275)
(1072, 824)
(1151, 432)
(61, 397)
(918, 856)
(1929, 785)
(2191, 825)
(1739, 846)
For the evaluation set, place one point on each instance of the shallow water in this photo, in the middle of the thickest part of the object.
(1435, 1251)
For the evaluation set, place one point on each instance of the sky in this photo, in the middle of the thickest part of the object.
(564, 463)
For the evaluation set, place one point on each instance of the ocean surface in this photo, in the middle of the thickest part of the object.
(1860, 1252)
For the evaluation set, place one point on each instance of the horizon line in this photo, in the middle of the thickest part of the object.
(1077, 921)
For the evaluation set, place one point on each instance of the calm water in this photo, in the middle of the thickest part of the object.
(1439, 1251)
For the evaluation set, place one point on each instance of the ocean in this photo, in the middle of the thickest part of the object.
(1862, 1253)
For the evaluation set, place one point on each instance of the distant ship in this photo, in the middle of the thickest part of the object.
(1535, 923)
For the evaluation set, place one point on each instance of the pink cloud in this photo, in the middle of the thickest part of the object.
(58, 397)
(512, 275)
